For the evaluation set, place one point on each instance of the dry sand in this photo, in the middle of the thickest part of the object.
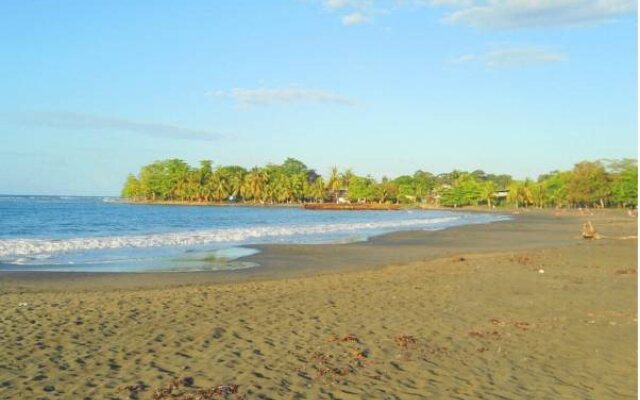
(521, 309)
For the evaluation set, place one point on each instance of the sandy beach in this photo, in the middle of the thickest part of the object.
(518, 309)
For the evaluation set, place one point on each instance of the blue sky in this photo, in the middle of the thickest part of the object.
(93, 90)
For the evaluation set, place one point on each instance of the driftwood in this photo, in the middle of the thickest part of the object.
(589, 232)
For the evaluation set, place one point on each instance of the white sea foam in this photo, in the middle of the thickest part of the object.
(37, 247)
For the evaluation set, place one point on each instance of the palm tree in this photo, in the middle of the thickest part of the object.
(520, 193)
(254, 185)
(235, 184)
(488, 192)
(219, 186)
(334, 182)
(299, 183)
(538, 195)
(346, 178)
(318, 190)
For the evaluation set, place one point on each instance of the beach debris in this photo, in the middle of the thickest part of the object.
(322, 358)
(523, 258)
(485, 334)
(337, 361)
(23, 304)
(175, 390)
(405, 341)
(589, 232)
(166, 391)
(330, 366)
(541, 271)
(459, 259)
(132, 388)
(628, 271)
(348, 338)
(359, 355)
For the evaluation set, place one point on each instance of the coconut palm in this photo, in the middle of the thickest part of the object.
(520, 193)
(219, 186)
(318, 191)
(254, 185)
(488, 192)
(334, 182)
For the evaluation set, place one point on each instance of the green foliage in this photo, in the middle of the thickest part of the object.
(362, 189)
(598, 183)
(520, 193)
(555, 186)
(488, 192)
(132, 188)
(589, 184)
(625, 183)
(291, 167)
(465, 190)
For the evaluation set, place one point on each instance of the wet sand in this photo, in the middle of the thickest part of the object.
(524, 308)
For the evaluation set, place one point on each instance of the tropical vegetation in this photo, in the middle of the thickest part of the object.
(602, 183)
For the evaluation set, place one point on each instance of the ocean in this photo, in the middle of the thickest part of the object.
(97, 234)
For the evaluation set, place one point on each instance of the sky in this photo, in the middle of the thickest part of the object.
(93, 90)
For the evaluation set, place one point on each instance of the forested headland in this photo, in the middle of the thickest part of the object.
(602, 183)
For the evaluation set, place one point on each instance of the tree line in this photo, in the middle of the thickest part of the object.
(603, 183)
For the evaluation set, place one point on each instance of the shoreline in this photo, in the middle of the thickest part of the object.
(515, 309)
(382, 206)
(286, 261)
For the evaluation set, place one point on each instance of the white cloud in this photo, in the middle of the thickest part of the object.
(493, 14)
(467, 58)
(513, 14)
(447, 3)
(353, 12)
(333, 4)
(287, 95)
(513, 57)
(79, 121)
(355, 19)
(520, 57)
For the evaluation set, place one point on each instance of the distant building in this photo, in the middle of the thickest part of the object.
(342, 196)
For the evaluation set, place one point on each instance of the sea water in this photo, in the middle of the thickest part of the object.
(96, 234)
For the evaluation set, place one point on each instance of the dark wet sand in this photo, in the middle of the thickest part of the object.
(516, 309)
(528, 229)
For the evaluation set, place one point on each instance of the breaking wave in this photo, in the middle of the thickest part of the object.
(35, 247)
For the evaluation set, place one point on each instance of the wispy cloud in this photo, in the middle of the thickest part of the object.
(356, 4)
(522, 57)
(492, 14)
(456, 3)
(335, 4)
(464, 59)
(513, 57)
(287, 95)
(353, 12)
(514, 14)
(355, 19)
(80, 121)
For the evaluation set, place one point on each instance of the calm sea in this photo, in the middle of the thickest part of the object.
(59, 233)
